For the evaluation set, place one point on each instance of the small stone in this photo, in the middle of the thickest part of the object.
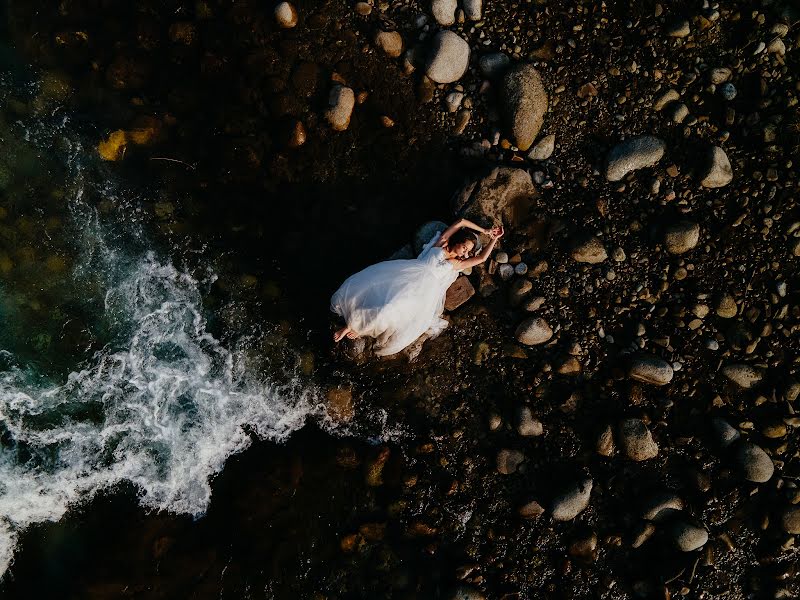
(391, 42)
(667, 97)
(726, 306)
(643, 533)
(286, 15)
(453, 101)
(493, 65)
(679, 29)
(572, 501)
(297, 135)
(661, 506)
(678, 112)
(618, 255)
(448, 57)
(444, 11)
(636, 440)
(725, 433)
(534, 331)
(472, 9)
(790, 521)
(777, 46)
(584, 548)
(755, 464)
(744, 376)
(506, 272)
(520, 268)
(527, 425)
(688, 537)
(508, 461)
(650, 369)
(718, 172)
(363, 8)
(341, 101)
(531, 510)
(719, 75)
(589, 250)
(633, 154)
(605, 442)
(533, 304)
(501, 258)
(728, 91)
(543, 148)
(519, 289)
(681, 237)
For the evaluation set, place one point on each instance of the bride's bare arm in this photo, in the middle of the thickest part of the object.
(496, 234)
(455, 227)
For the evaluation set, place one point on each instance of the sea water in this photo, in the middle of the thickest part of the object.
(108, 371)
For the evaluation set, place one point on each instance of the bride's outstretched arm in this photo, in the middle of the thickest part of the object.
(456, 226)
(496, 234)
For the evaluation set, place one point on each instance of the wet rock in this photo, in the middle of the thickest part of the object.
(533, 331)
(448, 57)
(527, 425)
(744, 376)
(681, 237)
(754, 463)
(588, 249)
(688, 537)
(726, 306)
(374, 476)
(544, 148)
(661, 506)
(728, 91)
(531, 510)
(573, 501)
(341, 101)
(678, 112)
(286, 15)
(473, 9)
(650, 369)
(718, 171)
(493, 65)
(444, 11)
(636, 440)
(503, 196)
(508, 461)
(391, 42)
(790, 520)
(524, 103)
(340, 404)
(633, 154)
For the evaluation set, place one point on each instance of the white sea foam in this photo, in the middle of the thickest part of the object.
(163, 409)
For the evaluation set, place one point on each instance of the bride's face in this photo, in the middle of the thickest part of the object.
(463, 249)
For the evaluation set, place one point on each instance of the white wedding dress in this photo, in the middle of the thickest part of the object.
(396, 301)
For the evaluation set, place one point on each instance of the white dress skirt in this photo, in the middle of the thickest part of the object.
(396, 301)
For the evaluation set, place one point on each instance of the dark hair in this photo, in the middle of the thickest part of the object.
(461, 236)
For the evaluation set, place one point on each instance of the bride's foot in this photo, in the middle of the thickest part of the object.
(344, 332)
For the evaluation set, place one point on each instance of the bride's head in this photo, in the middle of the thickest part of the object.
(463, 243)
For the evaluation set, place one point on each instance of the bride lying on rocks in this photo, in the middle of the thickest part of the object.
(396, 301)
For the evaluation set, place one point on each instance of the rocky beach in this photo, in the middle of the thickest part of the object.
(613, 409)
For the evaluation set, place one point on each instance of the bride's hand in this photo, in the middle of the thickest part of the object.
(496, 232)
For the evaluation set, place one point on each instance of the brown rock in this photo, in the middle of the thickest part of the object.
(458, 293)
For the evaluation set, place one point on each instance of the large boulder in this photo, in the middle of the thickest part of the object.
(524, 103)
(504, 196)
(448, 57)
